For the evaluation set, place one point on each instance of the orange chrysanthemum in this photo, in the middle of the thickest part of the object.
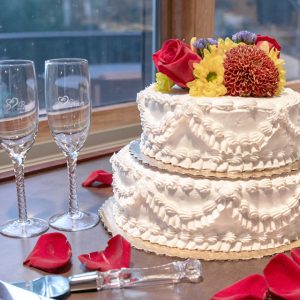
(250, 72)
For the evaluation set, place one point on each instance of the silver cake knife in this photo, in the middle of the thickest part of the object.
(58, 287)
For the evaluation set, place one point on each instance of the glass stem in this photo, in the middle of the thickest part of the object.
(18, 163)
(73, 201)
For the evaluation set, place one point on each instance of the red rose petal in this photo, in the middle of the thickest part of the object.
(98, 176)
(282, 275)
(253, 287)
(115, 256)
(296, 255)
(51, 253)
(271, 41)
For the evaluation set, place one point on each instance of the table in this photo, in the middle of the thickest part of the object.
(47, 194)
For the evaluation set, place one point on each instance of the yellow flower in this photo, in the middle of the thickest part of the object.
(163, 83)
(211, 89)
(193, 40)
(273, 54)
(209, 74)
(225, 45)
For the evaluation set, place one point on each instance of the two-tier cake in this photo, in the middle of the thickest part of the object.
(215, 172)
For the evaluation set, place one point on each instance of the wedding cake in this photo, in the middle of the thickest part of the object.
(216, 167)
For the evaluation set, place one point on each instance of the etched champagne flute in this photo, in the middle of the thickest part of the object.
(68, 107)
(18, 128)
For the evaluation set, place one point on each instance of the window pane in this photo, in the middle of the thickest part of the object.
(115, 36)
(277, 18)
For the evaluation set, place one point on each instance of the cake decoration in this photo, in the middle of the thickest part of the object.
(215, 173)
(245, 65)
(175, 60)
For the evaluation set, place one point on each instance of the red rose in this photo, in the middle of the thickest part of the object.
(272, 42)
(175, 59)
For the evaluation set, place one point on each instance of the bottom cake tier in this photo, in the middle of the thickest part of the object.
(194, 213)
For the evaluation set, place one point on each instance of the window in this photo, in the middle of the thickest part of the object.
(115, 36)
(277, 18)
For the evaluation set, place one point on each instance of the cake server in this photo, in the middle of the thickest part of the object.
(58, 287)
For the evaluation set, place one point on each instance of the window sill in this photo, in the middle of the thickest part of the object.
(112, 127)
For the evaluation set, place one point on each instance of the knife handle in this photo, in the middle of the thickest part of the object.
(189, 270)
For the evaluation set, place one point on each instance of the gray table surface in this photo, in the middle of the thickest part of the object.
(47, 194)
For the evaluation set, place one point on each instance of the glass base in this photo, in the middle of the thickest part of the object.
(76, 222)
(31, 227)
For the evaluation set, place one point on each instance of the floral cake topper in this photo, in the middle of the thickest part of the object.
(245, 65)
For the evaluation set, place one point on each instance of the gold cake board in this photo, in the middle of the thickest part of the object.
(108, 219)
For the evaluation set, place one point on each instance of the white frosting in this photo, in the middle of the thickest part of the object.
(195, 213)
(225, 134)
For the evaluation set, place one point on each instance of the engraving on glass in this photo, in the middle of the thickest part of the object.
(64, 99)
(13, 103)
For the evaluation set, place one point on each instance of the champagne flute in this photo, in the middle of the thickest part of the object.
(68, 107)
(18, 128)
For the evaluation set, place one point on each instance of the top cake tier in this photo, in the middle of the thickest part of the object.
(224, 134)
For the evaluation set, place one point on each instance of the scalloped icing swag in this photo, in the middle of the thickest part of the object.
(199, 225)
(245, 65)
